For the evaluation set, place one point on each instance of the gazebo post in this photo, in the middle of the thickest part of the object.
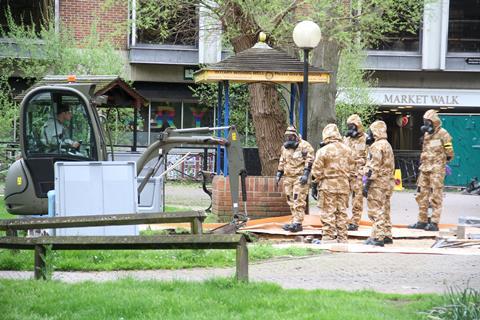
(226, 121)
(135, 130)
(219, 124)
(293, 92)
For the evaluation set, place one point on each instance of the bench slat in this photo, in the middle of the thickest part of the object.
(101, 220)
(203, 241)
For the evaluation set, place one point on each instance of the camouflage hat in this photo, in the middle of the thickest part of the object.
(432, 115)
(379, 129)
(330, 133)
(355, 119)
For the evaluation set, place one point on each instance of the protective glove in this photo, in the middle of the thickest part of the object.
(315, 190)
(448, 170)
(304, 177)
(278, 177)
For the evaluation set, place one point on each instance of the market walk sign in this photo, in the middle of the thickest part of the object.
(420, 99)
(425, 97)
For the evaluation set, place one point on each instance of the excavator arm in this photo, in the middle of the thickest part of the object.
(171, 138)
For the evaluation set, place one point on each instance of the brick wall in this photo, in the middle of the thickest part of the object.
(109, 16)
(263, 199)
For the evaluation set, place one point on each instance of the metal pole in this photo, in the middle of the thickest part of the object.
(135, 118)
(305, 94)
(292, 102)
(149, 122)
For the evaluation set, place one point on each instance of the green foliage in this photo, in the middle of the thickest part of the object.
(207, 95)
(108, 260)
(458, 304)
(354, 84)
(36, 51)
(212, 299)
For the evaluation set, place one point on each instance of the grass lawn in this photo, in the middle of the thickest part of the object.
(214, 299)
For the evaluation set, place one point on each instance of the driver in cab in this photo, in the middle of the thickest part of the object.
(55, 136)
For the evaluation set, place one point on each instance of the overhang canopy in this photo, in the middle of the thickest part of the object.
(261, 63)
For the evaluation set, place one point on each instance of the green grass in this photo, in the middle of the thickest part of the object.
(458, 304)
(88, 260)
(214, 299)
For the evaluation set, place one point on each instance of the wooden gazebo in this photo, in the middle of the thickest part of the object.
(261, 63)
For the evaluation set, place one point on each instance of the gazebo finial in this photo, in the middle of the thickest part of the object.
(262, 37)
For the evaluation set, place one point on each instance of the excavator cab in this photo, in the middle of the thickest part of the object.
(57, 123)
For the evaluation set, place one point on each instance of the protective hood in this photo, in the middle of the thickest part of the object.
(330, 133)
(379, 130)
(292, 130)
(355, 119)
(433, 116)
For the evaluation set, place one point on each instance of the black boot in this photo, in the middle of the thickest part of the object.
(431, 227)
(418, 225)
(375, 242)
(388, 240)
(286, 227)
(296, 227)
(352, 227)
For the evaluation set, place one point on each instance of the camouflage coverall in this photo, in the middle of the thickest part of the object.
(436, 148)
(292, 163)
(332, 168)
(381, 168)
(359, 151)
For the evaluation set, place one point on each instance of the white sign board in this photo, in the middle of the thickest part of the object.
(425, 97)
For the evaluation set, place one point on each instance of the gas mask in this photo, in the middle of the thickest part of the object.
(291, 142)
(427, 126)
(370, 138)
(352, 130)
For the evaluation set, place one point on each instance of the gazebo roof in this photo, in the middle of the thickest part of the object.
(261, 63)
(120, 93)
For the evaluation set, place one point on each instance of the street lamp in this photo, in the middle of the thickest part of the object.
(306, 36)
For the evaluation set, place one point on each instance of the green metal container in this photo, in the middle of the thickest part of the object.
(465, 132)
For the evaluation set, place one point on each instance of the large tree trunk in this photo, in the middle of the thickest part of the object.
(321, 97)
(269, 118)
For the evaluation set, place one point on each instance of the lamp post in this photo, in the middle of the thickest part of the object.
(306, 36)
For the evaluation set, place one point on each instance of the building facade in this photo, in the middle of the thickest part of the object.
(439, 68)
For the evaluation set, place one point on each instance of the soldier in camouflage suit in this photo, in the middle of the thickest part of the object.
(436, 152)
(378, 189)
(331, 170)
(295, 164)
(355, 139)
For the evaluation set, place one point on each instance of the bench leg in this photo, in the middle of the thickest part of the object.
(196, 226)
(461, 232)
(40, 271)
(242, 261)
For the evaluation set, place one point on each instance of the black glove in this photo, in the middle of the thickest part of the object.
(366, 186)
(449, 158)
(315, 190)
(278, 177)
(304, 177)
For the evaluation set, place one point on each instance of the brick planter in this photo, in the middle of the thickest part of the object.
(263, 199)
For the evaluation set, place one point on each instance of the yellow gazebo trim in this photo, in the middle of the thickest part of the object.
(208, 76)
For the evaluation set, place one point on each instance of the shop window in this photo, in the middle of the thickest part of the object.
(464, 26)
(166, 23)
(166, 114)
(30, 13)
(195, 116)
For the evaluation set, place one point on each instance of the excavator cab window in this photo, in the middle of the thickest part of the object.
(57, 124)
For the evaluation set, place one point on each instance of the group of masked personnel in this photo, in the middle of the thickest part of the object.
(361, 164)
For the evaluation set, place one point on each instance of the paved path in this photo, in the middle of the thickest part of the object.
(389, 273)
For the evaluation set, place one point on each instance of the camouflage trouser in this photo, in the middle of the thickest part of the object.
(333, 208)
(430, 191)
(379, 211)
(296, 197)
(357, 200)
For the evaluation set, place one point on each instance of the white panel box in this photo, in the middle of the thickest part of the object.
(152, 196)
(95, 188)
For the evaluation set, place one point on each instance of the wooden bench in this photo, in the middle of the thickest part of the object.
(195, 218)
(191, 241)
(196, 240)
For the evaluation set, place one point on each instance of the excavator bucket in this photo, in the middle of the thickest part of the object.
(228, 228)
